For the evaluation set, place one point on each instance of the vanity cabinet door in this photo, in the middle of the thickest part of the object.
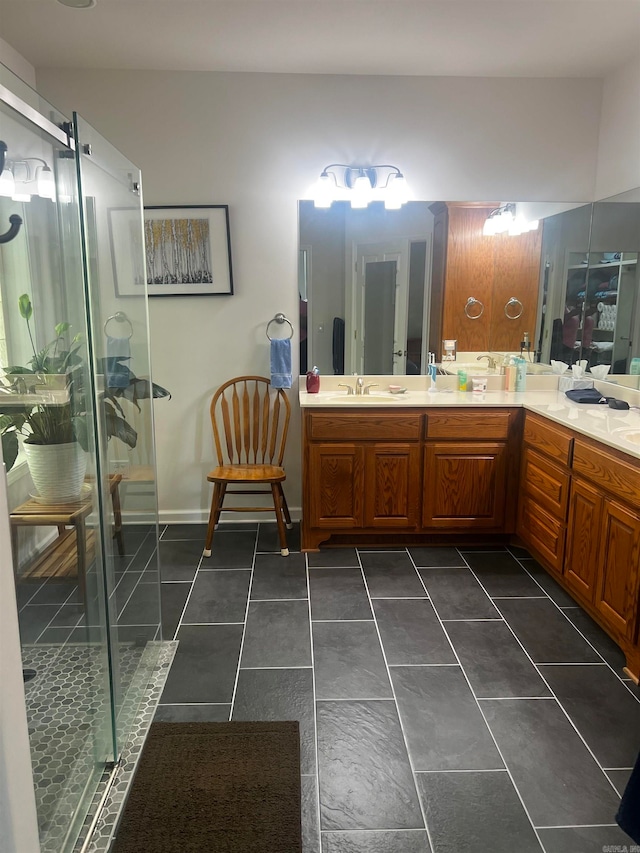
(464, 485)
(392, 485)
(617, 586)
(336, 475)
(583, 535)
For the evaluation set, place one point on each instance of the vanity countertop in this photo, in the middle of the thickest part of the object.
(619, 429)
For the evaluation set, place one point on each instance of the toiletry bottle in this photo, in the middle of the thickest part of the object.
(634, 367)
(462, 380)
(313, 381)
(510, 376)
(521, 374)
(432, 372)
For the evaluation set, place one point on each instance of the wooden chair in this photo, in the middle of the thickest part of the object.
(250, 425)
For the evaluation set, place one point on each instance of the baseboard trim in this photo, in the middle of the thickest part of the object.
(200, 516)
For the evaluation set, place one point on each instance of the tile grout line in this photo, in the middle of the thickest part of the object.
(463, 671)
(246, 619)
(584, 826)
(315, 705)
(249, 668)
(395, 701)
(155, 551)
(548, 686)
(77, 625)
(346, 831)
(575, 627)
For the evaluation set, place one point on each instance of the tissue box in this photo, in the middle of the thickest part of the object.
(568, 383)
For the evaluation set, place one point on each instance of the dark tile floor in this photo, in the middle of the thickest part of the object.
(448, 700)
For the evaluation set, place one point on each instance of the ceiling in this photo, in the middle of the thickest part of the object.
(496, 38)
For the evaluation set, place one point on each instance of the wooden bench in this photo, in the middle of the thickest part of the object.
(70, 553)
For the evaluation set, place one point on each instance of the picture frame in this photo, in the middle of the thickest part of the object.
(187, 248)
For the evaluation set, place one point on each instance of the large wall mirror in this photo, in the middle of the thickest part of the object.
(379, 289)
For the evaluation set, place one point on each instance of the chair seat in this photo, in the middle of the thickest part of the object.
(247, 474)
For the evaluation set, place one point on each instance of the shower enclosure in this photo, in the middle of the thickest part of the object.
(85, 565)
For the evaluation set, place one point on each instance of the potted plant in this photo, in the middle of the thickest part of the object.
(48, 404)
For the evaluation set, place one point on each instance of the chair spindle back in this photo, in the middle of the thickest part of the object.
(250, 422)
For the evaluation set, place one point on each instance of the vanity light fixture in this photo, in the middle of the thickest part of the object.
(506, 220)
(19, 177)
(360, 185)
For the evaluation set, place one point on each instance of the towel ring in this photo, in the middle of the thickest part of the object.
(471, 301)
(280, 319)
(119, 317)
(513, 301)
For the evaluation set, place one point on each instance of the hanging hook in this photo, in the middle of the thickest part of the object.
(16, 222)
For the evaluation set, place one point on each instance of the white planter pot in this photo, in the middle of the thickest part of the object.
(57, 470)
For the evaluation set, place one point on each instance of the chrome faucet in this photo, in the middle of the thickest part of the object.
(491, 363)
(359, 388)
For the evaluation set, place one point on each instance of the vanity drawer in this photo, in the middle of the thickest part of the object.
(614, 475)
(552, 440)
(365, 424)
(468, 424)
(546, 483)
(542, 532)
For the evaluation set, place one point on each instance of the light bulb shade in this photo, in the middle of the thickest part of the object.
(323, 193)
(361, 192)
(45, 183)
(397, 193)
(490, 226)
(21, 196)
(7, 183)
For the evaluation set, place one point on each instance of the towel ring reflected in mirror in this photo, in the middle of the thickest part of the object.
(471, 311)
(119, 317)
(280, 319)
(510, 314)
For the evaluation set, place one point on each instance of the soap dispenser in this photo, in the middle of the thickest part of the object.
(313, 381)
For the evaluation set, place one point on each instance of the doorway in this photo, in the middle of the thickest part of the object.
(381, 284)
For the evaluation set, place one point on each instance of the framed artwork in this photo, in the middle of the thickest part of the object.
(187, 249)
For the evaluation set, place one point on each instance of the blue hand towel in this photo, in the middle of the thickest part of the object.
(118, 354)
(281, 363)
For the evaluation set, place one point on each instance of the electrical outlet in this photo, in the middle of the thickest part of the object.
(120, 466)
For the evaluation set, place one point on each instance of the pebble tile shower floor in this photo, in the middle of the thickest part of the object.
(448, 699)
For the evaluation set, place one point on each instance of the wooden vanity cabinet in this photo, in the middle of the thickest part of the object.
(613, 481)
(375, 472)
(362, 471)
(579, 514)
(466, 468)
(544, 489)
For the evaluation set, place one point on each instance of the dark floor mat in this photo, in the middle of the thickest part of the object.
(223, 787)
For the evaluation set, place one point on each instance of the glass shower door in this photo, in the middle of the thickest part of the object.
(57, 542)
(117, 297)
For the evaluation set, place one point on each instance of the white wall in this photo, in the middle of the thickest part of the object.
(258, 143)
(619, 145)
(17, 63)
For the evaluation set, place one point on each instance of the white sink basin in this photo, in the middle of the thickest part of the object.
(365, 399)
